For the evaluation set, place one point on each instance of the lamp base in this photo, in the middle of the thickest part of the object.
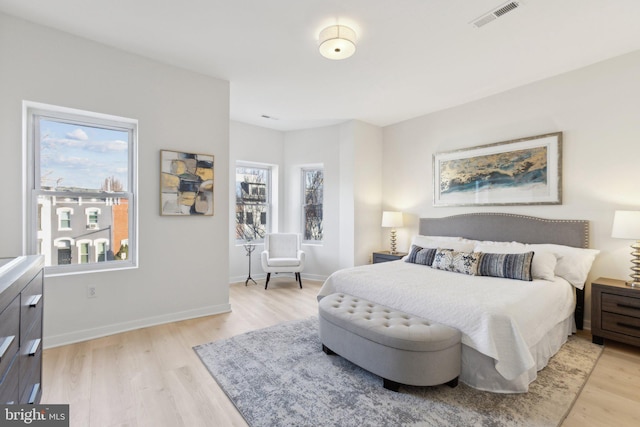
(393, 242)
(633, 284)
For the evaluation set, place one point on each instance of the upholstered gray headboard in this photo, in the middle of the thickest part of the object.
(503, 227)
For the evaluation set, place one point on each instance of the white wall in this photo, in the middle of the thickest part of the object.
(183, 261)
(255, 144)
(315, 146)
(597, 110)
(351, 154)
(365, 211)
(352, 158)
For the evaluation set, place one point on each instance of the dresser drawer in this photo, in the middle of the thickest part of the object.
(31, 305)
(31, 354)
(621, 324)
(9, 333)
(621, 304)
(30, 379)
(9, 384)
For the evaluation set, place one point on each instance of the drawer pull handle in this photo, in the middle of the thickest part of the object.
(632, 307)
(5, 345)
(35, 300)
(34, 393)
(626, 325)
(34, 347)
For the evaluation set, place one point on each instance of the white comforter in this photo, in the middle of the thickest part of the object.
(501, 318)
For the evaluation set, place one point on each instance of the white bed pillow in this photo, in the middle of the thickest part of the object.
(573, 264)
(446, 242)
(543, 264)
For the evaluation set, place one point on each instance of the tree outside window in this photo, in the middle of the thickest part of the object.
(313, 194)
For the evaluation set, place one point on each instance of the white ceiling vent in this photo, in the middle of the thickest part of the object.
(496, 13)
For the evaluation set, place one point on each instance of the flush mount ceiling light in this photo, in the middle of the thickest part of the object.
(337, 42)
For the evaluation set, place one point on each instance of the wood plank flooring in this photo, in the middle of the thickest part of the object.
(152, 377)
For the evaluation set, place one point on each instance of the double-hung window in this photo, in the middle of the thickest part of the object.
(81, 189)
(312, 197)
(253, 192)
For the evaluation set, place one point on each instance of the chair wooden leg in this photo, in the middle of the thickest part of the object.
(299, 278)
(267, 282)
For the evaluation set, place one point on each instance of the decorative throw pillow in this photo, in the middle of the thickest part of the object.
(458, 262)
(420, 255)
(542, 266)
(509, 266)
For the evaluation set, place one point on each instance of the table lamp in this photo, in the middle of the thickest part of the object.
(626, 225)
(393, 220)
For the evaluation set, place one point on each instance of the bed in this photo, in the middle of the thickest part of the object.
(510, 328)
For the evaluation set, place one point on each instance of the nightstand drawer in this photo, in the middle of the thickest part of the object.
(386, 256)
(621, 304)
(621, 324)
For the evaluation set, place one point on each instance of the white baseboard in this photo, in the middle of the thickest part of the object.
(103, 331)
(263, 276)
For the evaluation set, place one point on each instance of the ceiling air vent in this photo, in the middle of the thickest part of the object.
(496, 13)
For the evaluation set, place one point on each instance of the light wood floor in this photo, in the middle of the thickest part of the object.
(152, 377)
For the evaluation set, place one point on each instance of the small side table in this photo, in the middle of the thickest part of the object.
(249, 247)
(385, 256)
(615, 311)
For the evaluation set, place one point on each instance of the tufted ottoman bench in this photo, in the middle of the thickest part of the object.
(399, 347)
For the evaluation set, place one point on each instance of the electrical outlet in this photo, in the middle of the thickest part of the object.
(92, 291)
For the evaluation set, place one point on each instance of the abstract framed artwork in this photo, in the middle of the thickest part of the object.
(186, 183)
(525, 171)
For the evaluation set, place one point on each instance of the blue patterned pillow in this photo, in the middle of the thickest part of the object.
(509, 266)
(420, 255)
(458, 262)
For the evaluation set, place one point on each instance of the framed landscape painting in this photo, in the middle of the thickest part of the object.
(525, 171)
(186, 183)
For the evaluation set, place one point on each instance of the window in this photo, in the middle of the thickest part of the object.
(64, 218)
(312, 189)
(81, 194)
(252, 202)
(92, 218)
(101, 250)
(83, 252)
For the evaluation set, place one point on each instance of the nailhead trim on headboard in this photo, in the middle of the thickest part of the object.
(522, 228)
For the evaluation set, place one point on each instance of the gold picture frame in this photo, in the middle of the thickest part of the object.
(526, 171)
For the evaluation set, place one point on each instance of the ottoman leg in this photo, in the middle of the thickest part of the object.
(453, 383)
(327, 350)
(390, 385)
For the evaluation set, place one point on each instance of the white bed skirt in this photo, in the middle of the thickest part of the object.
(479, 372)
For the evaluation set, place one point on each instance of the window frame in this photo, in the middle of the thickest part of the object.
(33, 112)
(269, 197)
(303, 186)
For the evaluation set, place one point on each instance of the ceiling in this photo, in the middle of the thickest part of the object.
(413, 57)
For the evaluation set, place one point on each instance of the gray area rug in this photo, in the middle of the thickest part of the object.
(279, 376)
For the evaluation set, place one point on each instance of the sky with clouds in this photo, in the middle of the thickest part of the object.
(73, 155)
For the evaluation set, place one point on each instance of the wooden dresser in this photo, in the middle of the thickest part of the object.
(21, 300)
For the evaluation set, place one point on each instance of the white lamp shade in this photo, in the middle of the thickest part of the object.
(337, 42)
(626, 225)
(391, 219)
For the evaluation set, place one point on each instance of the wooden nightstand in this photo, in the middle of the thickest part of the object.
(615, 311)
(384, 256)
